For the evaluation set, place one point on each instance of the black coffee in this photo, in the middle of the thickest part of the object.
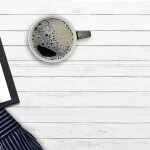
(52, 39)
(45, 51)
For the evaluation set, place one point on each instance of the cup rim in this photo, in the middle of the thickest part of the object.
(55, 17)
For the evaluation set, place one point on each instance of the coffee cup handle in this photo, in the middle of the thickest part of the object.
(83, 34)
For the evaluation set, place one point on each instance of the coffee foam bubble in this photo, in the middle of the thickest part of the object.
(54, 35)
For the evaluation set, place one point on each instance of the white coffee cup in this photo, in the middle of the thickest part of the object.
(50, 37)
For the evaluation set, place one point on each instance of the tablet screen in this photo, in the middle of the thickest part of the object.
(4, 92)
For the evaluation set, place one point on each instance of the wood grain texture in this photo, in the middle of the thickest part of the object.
(82, 83)
(82, 22)
(85, 99)
(98, 99)
(43, 114)
(88, 130)
(83, 70)
(98, 38)
(92, 53)
(96, 144)
(73, 7)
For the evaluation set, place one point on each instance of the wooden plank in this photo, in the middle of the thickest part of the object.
(105, 22)
(79, 71)
(95, 144)
(109, 63)
(104, 115)
(82, 83)
(84, 112)
(98, 38)
(87, 130)
(74, 7)
(87, 53)
(84, 99)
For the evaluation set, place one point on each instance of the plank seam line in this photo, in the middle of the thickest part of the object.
(98, 138)
(98, 107)
(83, 91)
(86, 45)
(84, 123)
(74, 14)
(124, 30)
(90, 107)
(81, 76)
(89, 45)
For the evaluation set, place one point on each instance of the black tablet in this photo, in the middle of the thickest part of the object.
(8, 93)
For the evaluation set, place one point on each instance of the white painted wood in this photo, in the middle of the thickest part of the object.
(82, 83)
(87, 53)
(79, 70)
(98, 38)
(84, 99)
(73, 7)
(87, 130)
(109, 63)
(81, 22)
(44, 114)
(99, 99)
(96, 144)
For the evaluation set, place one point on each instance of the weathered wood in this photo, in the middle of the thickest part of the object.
(79, 71)
(84, 99)
(82, 83)
(74, 7)
(96, 144)
(81, 22)
(109, 63)
(45, 114)
(98, 38)
(87, 53)
(88, 130)
(99, 98)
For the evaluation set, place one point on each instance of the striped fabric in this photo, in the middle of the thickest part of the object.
(13, 136)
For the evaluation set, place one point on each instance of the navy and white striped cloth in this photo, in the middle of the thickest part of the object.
(13, 136)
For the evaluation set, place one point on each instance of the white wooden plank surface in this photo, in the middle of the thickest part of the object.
(125, 63)
(88, 130)
(73, 7)
(98, 38)
(96, 144)
(88, 53)
(43, 114)
(79, 70)
(99, 97)
(83, 83)
(83, 99)
(82, 22)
